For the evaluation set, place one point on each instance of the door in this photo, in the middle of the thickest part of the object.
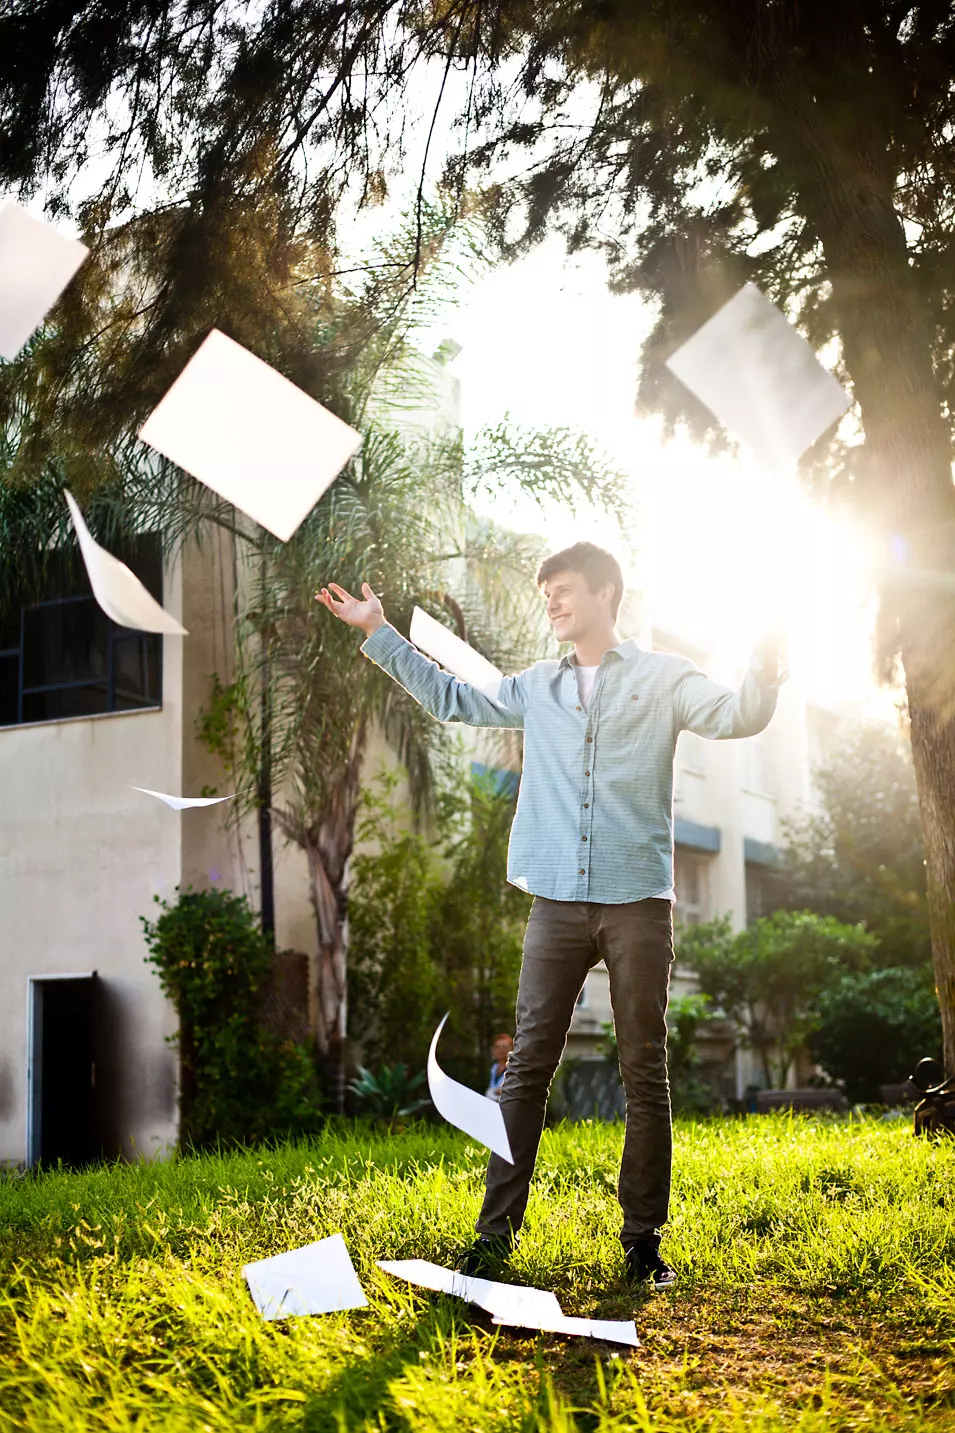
(61, 1079)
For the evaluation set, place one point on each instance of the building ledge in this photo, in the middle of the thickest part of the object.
(695, 836)
(761, 853)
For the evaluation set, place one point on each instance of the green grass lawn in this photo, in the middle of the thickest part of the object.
(817, 1264)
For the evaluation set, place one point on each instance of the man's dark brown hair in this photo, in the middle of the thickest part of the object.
(600, 568)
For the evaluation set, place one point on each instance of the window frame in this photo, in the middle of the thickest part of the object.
(692, 912)
(114, 634)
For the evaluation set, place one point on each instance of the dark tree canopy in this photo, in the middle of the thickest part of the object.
(697, 144)
(804, 144)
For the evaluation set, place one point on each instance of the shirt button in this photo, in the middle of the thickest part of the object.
(581, 872)
(586, 805)
(583, 838)
(586, 773)
(580, 708)
(589, 739)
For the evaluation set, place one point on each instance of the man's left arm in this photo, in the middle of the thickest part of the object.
(712, 710)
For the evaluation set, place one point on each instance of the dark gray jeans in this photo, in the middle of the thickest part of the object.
(563, 940)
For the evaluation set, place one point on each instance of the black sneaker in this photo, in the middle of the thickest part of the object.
(644, 1262)
(485, 1256)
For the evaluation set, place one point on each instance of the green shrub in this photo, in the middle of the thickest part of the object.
(434, 927)
(391, 1094)
(873, 1026)
(238, 1082)
(393, 975)
(768, 978)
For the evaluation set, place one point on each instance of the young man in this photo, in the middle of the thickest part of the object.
(592, 841)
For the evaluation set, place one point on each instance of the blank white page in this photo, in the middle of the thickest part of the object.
(250, 435)
(36, 264)
(760, 378)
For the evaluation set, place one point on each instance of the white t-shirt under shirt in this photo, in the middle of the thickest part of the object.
(586, 678)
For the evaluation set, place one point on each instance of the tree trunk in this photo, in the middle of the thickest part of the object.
(847, 192)
(907, 441)
(928, 657)
(760, 1040)
(328, 845)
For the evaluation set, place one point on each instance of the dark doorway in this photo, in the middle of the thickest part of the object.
(64, 1016)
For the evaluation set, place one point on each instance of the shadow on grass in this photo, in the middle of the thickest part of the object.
(363, 1395)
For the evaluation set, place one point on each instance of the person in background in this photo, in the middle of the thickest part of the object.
(502, 1047)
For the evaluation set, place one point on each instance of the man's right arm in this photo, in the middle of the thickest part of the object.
(444, 696)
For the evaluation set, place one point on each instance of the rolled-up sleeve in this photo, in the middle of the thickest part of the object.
(445, 697)
(709, 709)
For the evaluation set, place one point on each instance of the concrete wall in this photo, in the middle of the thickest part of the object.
(81, 858)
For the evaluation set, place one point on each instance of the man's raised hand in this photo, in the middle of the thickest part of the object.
(365, 612)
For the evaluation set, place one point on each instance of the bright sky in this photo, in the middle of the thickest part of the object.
(718, 546)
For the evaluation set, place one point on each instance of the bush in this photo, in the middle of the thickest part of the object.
(238, 1082)
(768, 977)
(873, 1026)
(434, 926)
(393, 975)
(393, 1094)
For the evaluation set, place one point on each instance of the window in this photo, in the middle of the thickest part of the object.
(691, 882)
(762, 892)
(61, 656)
(759, 766)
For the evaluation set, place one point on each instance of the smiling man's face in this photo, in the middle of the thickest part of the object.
(573, 610)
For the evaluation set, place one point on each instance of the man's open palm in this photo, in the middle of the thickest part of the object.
(365, 612)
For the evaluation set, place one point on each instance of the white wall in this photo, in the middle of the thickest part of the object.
(81, 857)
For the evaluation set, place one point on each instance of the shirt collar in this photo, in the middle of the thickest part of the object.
(627, 651)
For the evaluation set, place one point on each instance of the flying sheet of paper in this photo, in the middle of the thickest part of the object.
(475, 1114)
(250, 435)
(183, 803)
(453, 654)
(760, 378)
(317, 1279)
(508, 1303)
(117, 590)
(36, 264)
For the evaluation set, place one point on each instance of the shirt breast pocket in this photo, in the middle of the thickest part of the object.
(635, 717)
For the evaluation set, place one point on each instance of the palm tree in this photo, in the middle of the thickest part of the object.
(294, 723)
(400, 520)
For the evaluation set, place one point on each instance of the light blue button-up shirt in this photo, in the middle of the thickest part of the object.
(594, 818)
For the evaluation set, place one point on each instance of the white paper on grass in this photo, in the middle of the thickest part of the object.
(507, 1300)
(613, 1330)
(760, 378)
(36, 264)
(509, 1304)
(183, 803)
(459, 658)
(475, 1114)
(250, 435)
(117, 590)
(317, 1279)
